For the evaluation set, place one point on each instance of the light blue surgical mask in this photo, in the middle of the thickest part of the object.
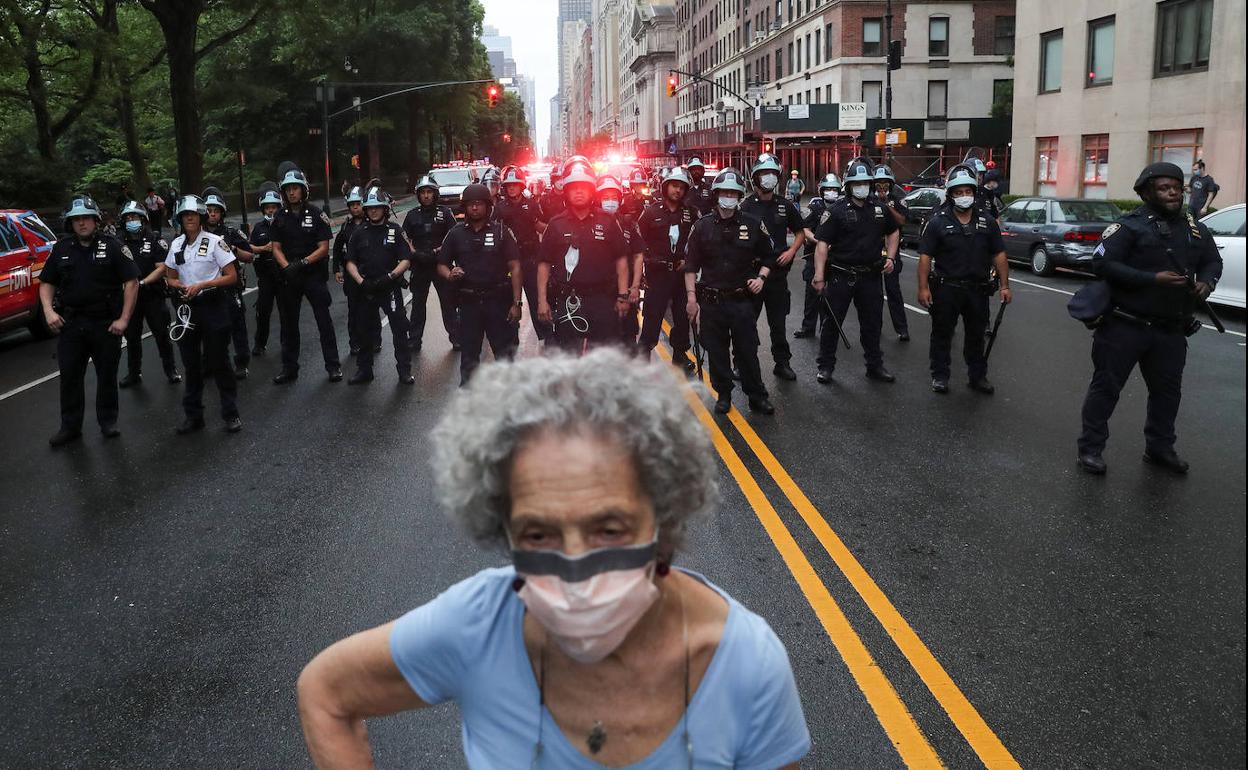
(134, 226)
(610, 206)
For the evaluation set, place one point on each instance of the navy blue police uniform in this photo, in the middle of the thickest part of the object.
(582, 302)
(300, 232)
(699, 196)
(487, 256)
(892, 281)
(426, 228)
(376, 250)
(237, 241)
(810, 300)
(350, 289)
(521, 217)
(780, 217)
(664, 274)
(267, 283)
(149, 250)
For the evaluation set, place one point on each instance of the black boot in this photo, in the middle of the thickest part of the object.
(880, 374)
(360, 377)
(190, 425)
(64, 436)
(130, 380)
(1168, 459)
(784, 371)
(1092, 462)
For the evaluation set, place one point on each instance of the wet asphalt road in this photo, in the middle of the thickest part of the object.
(155, 615)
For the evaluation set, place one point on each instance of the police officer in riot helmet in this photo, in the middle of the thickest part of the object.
(301, 238)
(1161, 265)
(827, 193)
(523, 216)
(728, 260)
(481, 260)
(88, 289)
(350, 289)
(426, 226)
(665, 227)
(267, 282)
(376, 256)
(582, 278)
(610, 196)
(148, 251)
(635, 197)
(780, 217)
(699, 195)
(240, 246)
(551, 201)
(888, 193)
(960, 249)
(857, 247)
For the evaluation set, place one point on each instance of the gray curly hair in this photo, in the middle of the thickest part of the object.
(638, 405)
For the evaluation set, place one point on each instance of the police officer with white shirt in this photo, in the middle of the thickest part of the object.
(202, 268)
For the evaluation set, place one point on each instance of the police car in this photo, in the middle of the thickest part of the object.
(1227, 227)
(451, 179)
(25, 243)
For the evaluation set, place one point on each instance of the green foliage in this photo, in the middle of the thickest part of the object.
(1003, 107)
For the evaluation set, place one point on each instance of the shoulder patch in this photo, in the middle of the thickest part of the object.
(1115, 227)
(324, 217)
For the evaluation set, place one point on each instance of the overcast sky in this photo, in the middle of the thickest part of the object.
(531, 26)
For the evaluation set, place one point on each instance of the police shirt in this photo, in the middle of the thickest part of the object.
(339, 250)
(426, 228)
(376, 249)
(261, 235)
(655, 227)
(599, 241)
(148, 251)
(728, 251)
(552, 204)
(818, 207)
(780, 217)
(484, 255)
(521, 217)
(300, 232)
(199, 259)
(961, 252)
(699, 196)
(234, 239)
(988, 202)
(88, 279)
(631, 207)
(1134, 249)
(855, 234)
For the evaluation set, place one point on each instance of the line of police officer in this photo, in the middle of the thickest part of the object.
(583, 254)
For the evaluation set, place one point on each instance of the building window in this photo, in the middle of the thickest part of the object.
(827, 42)
(827, 94)
(807, 51)
(792, 69)
(1051, 62)
(818, 32)
(1100, 52)
(1046, 165)
(938, 36)
(1095, 166)
(1184, 28)
(938, 98)
(779, 63)
(1003, 36)
(1182, 148)
(871, 37)
(873, 96)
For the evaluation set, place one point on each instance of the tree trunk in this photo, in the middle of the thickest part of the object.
(413, 139)
(183, 95)
(37, 89)
(134, 150)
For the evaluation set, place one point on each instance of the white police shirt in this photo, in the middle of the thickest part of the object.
(203, 258)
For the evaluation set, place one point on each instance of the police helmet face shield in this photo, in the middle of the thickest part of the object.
(858, 172)
(830, 182)
(133, 208)
(214, 197)
(729, 180)
(270, 197)
(354, 196)
(961, 178)
(82, 206)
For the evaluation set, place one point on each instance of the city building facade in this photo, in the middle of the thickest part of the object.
(652, 54)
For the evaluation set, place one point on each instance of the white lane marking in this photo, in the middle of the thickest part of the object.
(1210, 327)
(57, 373)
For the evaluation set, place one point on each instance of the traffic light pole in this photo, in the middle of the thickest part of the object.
(325, 135)
(888, 73)
(699, 79)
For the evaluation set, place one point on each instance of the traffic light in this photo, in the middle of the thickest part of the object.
(491, 95)
(894, 55)
(764, 146)
(671, 85)
(506, 138)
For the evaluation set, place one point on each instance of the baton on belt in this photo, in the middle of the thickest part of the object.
(996, 325)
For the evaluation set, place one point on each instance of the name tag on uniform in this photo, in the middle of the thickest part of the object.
(389, 237)
(307, 221)
(781, 211)
(744, 233)
(203, 247)
(879, 213)
(599, 233)
(101, 251)
(489, 240)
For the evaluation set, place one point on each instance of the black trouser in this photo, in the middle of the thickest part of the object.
(810, 300)
(867, 296)
(149, 308)
(483, 315)
(728, 331)
(82, 339)
(238, 326)
(422, 278)
(896, 302)
(665, 289)
(291, 298)
(356, 310)
(775, 298)
(267, 288)
(596, 316)
(528, 272)
(368, 323)
(205, 350)
(950, 302)
(1117, 346)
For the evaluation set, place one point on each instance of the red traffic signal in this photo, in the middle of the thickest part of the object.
(506, 137)
(671, 85)
(765, 146)
(491, 95)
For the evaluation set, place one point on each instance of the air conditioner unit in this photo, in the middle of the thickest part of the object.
(776, 25)
(760, 36)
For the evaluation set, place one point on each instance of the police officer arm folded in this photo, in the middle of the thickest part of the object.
(591, 647)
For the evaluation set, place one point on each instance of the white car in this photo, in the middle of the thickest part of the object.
(1227, 226)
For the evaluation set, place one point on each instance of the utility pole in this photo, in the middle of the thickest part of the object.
(888, 73)
(242, 188)
(325, 135)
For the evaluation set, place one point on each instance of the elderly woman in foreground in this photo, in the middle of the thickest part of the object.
(590, 650)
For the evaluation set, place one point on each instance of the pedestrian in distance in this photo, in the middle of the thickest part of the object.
(1202, 189)
(828, 192)
(727, 263)
(426, 226)
(665, 228)
(591, 648)
(960, 249)
(268, 277)
(350, 288)
(88, 290)
(201, 268)
(238, 243)
(149, 252)
(481, 260)
(155, 207)
(857, 247)
(794, 188)
(375, 259)
(300, 237)
(887, 193)
(780, 218)
(1160, 265)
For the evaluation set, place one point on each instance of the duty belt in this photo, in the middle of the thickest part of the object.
(589, 288)
(482, 292)
(664, 263)
(854, 272)
(712, 296)
(1187, 326)
(975, 284)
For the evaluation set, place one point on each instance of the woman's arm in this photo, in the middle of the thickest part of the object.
(353, 679)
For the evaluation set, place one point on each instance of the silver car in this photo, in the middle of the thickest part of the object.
(1048, 233)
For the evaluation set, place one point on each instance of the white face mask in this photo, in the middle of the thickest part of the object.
(768, 181)
(728, 202)
(589, 603)
(610, 207)
(268, 217)
(830, 195)
(861, 191)
(964, 202)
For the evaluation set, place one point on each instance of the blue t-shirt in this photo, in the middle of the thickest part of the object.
(467, 645)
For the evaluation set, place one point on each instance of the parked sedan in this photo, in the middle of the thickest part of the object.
(1227, 227)
(1048, 233)
(920, 203)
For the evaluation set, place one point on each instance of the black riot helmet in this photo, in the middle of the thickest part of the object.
(1157, 171)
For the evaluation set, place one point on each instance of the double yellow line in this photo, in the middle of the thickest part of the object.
(913, 746)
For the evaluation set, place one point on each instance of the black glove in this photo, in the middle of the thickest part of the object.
(293, 269)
